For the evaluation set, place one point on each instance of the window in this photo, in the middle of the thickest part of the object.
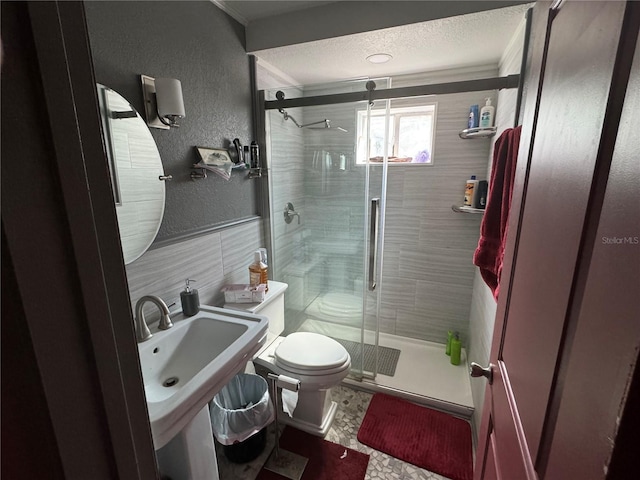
(410, 135)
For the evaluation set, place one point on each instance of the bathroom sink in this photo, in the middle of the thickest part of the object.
(184, 367)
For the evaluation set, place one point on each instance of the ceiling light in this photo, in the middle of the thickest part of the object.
(379, 58)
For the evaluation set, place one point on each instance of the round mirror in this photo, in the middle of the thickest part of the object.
(136, 168)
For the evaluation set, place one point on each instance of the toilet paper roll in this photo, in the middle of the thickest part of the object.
(289, 401)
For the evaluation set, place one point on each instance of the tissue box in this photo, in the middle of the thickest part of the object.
(244, 293)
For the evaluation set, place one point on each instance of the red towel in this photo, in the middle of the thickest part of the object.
(493, 230)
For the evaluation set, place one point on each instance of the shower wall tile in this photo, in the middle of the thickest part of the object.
(402, 226)
(411, 323)
(448, 304)
(396, 192)
(388, 320)
(391, 261)
(447, 265)
(426, 243)
(451, 230)
(398, 291)
(162, 271)
(286, 172)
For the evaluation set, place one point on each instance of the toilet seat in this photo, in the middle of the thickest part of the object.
(337, 307)
(307, 353)
(341, 305)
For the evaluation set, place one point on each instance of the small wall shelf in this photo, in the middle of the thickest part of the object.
(467, 209)
(479, 132)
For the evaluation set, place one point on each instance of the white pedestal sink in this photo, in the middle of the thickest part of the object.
(183, 368)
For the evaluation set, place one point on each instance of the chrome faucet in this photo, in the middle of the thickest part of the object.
(142, 330)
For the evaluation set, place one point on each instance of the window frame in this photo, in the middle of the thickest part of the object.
(408, 109)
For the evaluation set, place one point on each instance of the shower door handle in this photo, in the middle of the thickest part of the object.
(373, 242)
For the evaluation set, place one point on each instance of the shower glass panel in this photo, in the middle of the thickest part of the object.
(325, 253)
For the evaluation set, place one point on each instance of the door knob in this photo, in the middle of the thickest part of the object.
(477, 370)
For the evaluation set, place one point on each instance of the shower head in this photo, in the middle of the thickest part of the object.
(326, 123)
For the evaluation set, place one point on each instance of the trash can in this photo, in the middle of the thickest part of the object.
(240, 413)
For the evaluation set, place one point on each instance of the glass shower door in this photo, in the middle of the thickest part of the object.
(319, 168)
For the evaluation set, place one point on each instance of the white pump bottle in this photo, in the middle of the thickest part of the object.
(487, 115)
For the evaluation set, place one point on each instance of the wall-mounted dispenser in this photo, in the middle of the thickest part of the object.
(163, 102)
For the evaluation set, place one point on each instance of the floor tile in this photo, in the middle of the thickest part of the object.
(352, 406)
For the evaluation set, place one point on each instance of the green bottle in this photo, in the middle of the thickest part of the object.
(456, 349)
(449, 338)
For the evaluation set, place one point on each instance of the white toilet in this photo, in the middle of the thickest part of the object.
(337, 307)
(318, 361)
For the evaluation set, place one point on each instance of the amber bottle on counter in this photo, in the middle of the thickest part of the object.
(258, 272)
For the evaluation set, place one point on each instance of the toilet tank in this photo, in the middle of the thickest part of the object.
(272, 307)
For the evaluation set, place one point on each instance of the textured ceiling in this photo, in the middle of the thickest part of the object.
(454, 42)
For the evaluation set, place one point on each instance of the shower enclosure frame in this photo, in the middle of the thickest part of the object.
(370, 95)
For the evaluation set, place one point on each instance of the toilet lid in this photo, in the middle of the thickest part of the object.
(310, 352)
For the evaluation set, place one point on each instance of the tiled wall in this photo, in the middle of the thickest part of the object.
(428, 248)
(483, 306)
(428, 275)
(213, 260)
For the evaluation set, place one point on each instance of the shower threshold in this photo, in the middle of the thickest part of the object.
(423, 375)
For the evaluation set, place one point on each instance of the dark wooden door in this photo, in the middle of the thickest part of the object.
(570, 128)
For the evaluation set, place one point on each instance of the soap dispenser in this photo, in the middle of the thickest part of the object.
(190, 300)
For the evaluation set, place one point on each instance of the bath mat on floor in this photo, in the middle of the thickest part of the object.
(419, 435)
(327, 461)
(387, 357)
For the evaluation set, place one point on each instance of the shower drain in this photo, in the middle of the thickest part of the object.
(171, 381)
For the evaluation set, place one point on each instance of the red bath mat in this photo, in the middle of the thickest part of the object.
(327, 461)
(423, 437)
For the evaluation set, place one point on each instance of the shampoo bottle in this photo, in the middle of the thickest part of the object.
(480, 195)
(258, 272)
(469, 191)
(190, 300)
(487, 114)
(473, 117)
(456, 349)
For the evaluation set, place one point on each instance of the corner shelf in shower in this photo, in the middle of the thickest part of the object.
(478, 132)
(467, 209)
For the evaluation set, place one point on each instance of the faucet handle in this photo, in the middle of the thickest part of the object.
(165, 322)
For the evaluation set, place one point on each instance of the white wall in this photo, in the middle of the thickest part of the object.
(483, 305)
